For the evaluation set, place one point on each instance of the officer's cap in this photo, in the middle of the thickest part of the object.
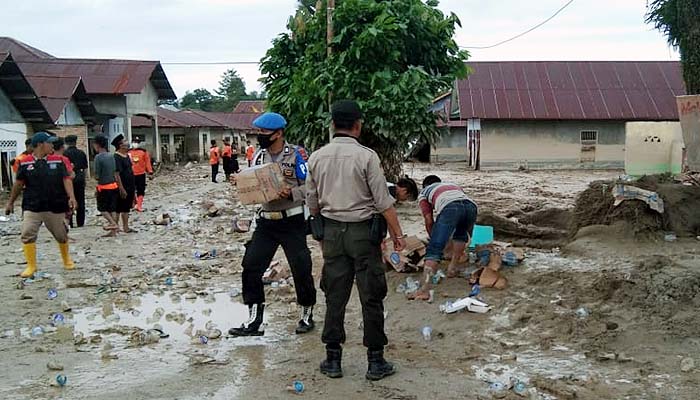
(346, 110)
(270, 121)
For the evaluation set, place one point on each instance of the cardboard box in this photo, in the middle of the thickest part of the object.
(408, 260)
(260, 184)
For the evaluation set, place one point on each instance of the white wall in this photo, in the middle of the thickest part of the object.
(70, 115)
(145, 102)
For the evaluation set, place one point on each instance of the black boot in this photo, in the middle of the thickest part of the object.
(306, 323)
(331, 365)
(252, 327)
(378, 367)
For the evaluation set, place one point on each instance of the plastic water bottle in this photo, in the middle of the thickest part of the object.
(520, 388)
(61, 380)
(197, 254)
(37, 331)
(52, 294)
(58, 319)
(476, 289)
(212, 253)
(427, 332)
(298, 387)
(203, 339)
(169, 281)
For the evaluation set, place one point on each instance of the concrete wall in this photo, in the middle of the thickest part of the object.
(70, 115)
(80, 131)
(12, 137)
(144, 102)
(109, 104)
(8, 112)
(537, 144)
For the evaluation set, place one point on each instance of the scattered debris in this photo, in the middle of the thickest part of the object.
(163, 219)
(471, 304)
(276, 272)
(409, 259)
(687, 364)
(628, 192)
(241, 225)
(54, 366)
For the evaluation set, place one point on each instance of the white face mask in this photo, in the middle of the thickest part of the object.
(135, 145)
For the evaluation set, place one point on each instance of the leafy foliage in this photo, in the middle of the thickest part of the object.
(231, 90)
(679, 20)
(394, 57)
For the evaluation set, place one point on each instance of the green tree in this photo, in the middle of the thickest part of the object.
(231, 90)
(679, 20)
(394, 57)
(198, 99)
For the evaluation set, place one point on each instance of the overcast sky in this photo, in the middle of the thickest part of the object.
(241, 30)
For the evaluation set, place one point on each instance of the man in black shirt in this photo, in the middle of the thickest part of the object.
(128, 182)
(48, 195)
(80, 164)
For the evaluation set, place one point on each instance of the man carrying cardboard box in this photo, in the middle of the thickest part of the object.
(280, 222)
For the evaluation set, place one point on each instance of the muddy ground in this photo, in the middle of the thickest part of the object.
(607, 316)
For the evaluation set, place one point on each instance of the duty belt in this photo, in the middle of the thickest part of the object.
(277, 215)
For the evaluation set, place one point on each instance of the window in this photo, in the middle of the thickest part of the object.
(589, 137)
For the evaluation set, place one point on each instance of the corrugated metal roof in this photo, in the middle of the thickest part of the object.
(237, 121)
(250, 106)
(20, 92)
(197, 118)
(21, 49)
(566, 90)
(99, 76)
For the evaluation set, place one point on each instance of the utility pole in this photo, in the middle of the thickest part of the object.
(330, 8)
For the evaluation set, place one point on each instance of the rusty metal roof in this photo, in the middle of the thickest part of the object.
(55, 93)
(571, 90)
(250, 106)
(197, 118)
(18, 89)
(100, 76)
(237, 121)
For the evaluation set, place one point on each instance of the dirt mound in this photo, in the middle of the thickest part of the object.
(595, 206)
(557, 218)
(521, 234)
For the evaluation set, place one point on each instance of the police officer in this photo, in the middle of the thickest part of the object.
(79, 160)
(48, 195)
(280, 222)
(347, 190)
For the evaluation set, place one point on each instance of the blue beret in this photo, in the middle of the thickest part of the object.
(270, 121)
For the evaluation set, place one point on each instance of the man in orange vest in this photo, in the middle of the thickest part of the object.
(214, 155)
(226, 158)
(21, 156)
(141, 164)
(249, 152)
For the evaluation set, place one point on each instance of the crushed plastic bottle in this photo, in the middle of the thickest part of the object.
(234, 292)
(298, 387)
(212, 253)
(440, 274)
(197, 254)
(427, 332)
(476, 289)
(203, 339)
(497, 387)
(510, 259)
(169, 281)
(61, 380)
(37, 331)
(52, 294)
(58, 319)
(520, 388)
(581, 312)
(670, 237)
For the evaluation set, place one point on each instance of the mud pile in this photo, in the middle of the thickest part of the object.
(545, 228)
(595, 206)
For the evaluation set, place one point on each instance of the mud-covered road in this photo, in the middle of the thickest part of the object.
(603, 317)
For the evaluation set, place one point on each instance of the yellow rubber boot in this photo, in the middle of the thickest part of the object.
(30, 256)
(65, 255)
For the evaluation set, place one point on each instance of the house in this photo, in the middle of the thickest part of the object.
(185, 135)
(554, 114)
(119, 90)
(249, 107)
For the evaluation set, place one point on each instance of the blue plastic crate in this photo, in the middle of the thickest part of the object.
(481, 235)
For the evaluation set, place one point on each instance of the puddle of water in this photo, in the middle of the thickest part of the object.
(224, 312)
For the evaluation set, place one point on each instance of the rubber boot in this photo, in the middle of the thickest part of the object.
(306, 322)
(30, 256)
(378, 368)
(139, 203)
(65, 256)
(331, 366)
(252, 326)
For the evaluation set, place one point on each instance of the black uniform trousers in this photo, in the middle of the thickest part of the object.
(228, 166)
(214, 172)
(79, 192)
(140, 182)
(348, 255)
(290, 233)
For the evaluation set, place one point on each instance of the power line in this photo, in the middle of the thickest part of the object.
(523, 33)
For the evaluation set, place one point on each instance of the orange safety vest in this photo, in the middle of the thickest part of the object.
(249, 152)
(18, 160)
(214, 155)
(140, 161)
(227, 152)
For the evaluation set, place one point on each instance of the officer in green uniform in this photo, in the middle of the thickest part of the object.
(346, 189)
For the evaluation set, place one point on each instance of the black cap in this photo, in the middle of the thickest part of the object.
(117, 140)
(57, 143)
(346, 111)
(71, 139)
